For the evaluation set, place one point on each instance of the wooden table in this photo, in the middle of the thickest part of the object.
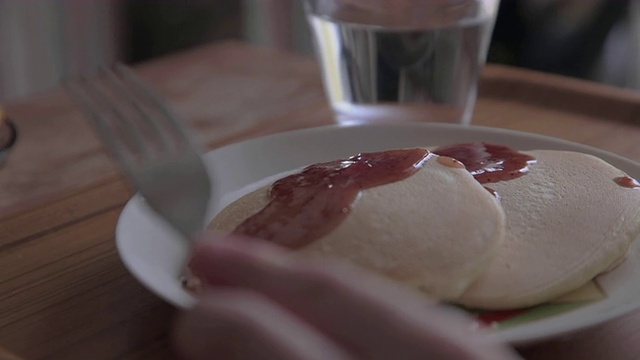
(64, 293)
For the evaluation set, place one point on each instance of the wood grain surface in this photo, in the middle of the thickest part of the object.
(64, 293)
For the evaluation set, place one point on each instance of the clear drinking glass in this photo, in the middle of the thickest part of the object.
(401, 60)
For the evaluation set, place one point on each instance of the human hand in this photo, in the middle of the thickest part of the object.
(264, 302)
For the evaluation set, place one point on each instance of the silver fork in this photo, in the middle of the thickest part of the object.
(151, 145)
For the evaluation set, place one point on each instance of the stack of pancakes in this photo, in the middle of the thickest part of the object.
(550, 232)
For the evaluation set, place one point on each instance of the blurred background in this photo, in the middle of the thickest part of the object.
(44, 41)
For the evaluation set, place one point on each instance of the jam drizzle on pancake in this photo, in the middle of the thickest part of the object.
(628, 182)
(489, 163)
(306, 206)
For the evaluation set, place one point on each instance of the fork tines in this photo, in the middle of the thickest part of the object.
(151, 145)
(131, 113)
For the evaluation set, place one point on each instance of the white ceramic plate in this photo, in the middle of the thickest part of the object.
(153, 253)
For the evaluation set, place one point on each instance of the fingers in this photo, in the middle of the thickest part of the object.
(238, 324)
(374, 318)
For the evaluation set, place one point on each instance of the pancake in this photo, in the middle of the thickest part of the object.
(436, 230)
(567, 221)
